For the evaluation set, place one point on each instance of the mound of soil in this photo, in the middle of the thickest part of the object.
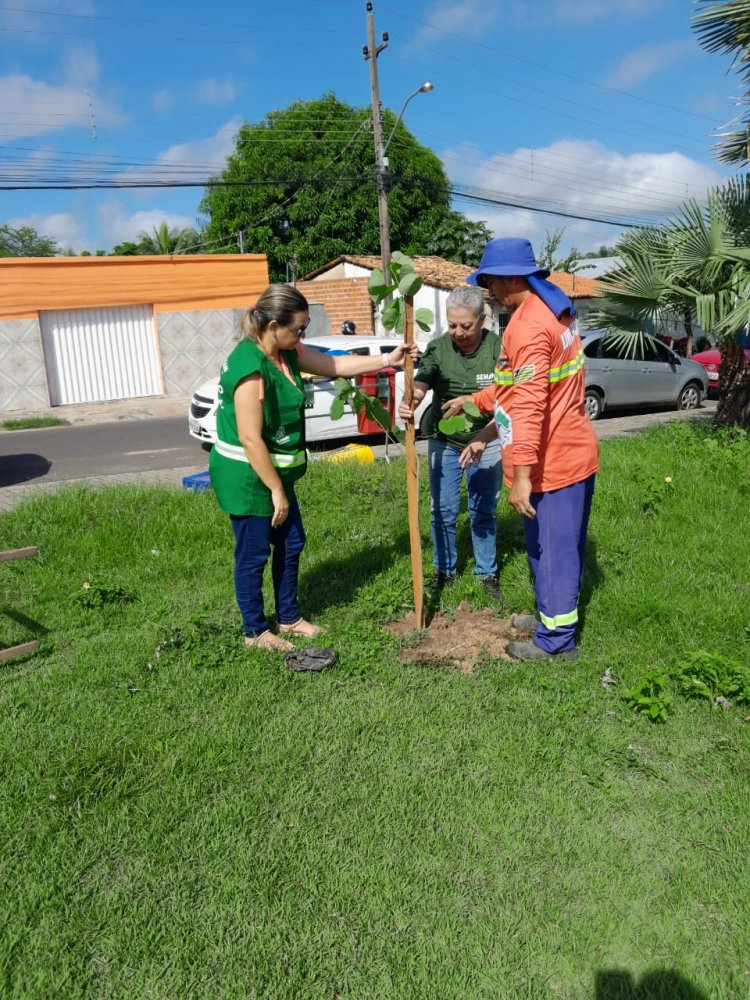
(465, 640)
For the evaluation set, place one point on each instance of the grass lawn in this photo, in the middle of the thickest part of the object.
(181, 818)
(27, 423)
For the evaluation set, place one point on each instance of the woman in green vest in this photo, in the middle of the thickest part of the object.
(260, 453)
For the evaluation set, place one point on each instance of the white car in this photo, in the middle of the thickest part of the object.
(318, 396)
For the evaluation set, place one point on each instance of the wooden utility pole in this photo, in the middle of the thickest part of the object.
(412, 474)
(372, 51)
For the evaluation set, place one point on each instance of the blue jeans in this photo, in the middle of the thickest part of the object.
(483, 482)
(254, 537)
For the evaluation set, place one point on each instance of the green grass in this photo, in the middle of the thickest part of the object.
(27, 423)
(182, 818)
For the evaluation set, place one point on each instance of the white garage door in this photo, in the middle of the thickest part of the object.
(97, 354)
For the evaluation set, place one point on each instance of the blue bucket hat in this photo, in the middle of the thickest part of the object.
(508, 256)
(511, 256)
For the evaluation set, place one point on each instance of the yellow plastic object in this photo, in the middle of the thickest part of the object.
(357, 452)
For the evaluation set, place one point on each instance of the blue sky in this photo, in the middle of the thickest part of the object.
(599, 108)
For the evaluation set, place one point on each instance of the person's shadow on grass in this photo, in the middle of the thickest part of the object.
(658, 984)
(335, 581)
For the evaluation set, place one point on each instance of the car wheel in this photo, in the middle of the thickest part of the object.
(207, 445)
(594, 404)
(690, 397)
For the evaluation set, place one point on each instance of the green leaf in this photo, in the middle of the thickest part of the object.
(337, 408)
(403, 262)
(376, 286)
(424, 318)
(342, 387)
(392, 315)
(453, 425)
(472, 410)
(410, 284)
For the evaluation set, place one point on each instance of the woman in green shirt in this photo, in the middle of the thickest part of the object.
(260, 453)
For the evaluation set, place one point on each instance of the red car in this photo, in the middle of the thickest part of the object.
(710, 361)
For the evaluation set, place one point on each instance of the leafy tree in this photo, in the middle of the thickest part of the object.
(457, 238)
(547, 255)
(163, 240)
(126, 249)
(724, 26)
(302, 182)
(26, 242)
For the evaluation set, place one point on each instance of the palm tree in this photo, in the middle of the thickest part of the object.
(696, 267)
(724, 26)
(164, 240)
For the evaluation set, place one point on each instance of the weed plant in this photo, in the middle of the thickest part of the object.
(184, 818)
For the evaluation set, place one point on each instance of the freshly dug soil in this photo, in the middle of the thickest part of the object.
(465, 640)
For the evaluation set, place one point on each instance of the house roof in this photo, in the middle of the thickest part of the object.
(446, 274)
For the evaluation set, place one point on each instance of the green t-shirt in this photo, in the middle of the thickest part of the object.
(239, 489)
(450, 373)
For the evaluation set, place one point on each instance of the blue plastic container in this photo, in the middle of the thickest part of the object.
(198, 483)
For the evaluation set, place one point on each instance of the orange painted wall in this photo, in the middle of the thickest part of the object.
(211, 281)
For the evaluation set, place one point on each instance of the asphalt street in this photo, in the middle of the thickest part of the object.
(101, 446)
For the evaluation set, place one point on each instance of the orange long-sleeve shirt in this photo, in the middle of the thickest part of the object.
(538, 399)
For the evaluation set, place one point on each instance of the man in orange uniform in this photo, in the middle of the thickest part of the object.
(550, 450)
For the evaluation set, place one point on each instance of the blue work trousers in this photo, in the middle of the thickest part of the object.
(483, 483)
(254, 537)
(556, 546)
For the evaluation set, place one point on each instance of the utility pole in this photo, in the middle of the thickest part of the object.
(371, 51)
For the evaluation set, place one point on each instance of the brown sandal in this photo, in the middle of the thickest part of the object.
(267, 640)
(301, 627)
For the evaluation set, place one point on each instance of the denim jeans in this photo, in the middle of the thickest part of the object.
(254, 537)
(483, 483)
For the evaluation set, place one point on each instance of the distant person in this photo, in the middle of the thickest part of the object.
(550, 450)
(348, 328)
(460, 361)
(260, 453)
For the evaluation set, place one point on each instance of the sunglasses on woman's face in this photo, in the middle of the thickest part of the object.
(299, 331)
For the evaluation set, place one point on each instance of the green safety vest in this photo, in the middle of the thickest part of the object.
(238, 488)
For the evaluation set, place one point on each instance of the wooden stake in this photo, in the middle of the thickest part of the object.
(412, 474)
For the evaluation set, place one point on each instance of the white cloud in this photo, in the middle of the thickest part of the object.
(190, 160)
(82, 66)
(639, 65)
(35, 107)
(117, 226)
(215, 91)
(470, 18)
(35, 97)
(579, 178)
(66, 228)
(163, 100)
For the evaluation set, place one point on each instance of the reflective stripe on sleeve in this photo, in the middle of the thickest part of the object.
(566, 370)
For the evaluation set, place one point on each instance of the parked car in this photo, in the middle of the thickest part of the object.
(651, 376)
(710, 361)
(319, 394)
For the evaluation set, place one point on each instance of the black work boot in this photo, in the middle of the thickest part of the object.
(530, 651)
(491, 585)
(525, 623)
(438, 581)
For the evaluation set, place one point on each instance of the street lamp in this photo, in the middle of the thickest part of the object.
(424, 89)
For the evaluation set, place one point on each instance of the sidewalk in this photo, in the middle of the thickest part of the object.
(116, 409)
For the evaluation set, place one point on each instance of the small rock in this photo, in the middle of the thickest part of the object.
(722, 702)
(607, 680)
